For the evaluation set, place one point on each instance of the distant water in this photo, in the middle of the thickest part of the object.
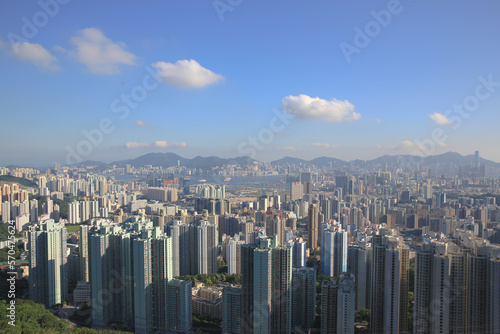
(272, 181)
(125, 178)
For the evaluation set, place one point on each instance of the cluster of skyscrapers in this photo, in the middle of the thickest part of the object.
(420, 253)
(457, 287)
(130, 270)
(82, 211)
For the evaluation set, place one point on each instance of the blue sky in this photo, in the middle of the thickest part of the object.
(226, 68)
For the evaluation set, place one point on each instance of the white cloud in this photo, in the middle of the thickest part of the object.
(59, 48)
(186, 74)
(100, 54)
(136, 145)
(141, 123)
(32, 52)
(162, 143)
(288, 148)
(306, 107)
(408, 145)
(440, 119)
(326, 146)
(158, 143)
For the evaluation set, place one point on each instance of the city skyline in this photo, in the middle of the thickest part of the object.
(250, 166)
(351, 80)
(407, 160)
(396, 250)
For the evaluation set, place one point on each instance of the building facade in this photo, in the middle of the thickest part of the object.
(48, 280)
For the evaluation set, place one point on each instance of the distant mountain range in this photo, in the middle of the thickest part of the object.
(447, 163)
(166, 160)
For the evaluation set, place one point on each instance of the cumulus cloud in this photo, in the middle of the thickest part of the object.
(34, 53)
(158, 143)
(162, 143)
(141, 123)
(186, 74)
(324, 145)
(408, 145)
(306, 107)
(100, 54)
(440, 119)
(136, 145)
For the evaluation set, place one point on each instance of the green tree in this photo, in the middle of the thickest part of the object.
(4, 252)
(411, 276)
(410, 310)
(312, 262)
(211, 279)
(30, 316)
(35, 318)
(363, 315)
(4, 232)
(322, 277)
(221, 266)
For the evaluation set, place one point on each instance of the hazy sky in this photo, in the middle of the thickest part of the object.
(347, 79)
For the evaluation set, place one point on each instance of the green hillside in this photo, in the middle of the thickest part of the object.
(35, 318)
(21, 181)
